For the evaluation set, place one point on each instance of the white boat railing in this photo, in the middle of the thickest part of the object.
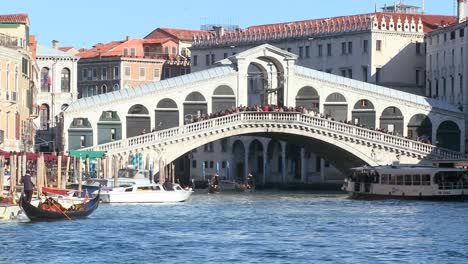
(279, 118)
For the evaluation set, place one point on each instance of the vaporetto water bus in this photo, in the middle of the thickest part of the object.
(407, 182)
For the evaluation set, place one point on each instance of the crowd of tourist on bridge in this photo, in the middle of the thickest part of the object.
(291, 109)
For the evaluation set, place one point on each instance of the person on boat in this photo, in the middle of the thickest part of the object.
(168, 185)
(28, 186)
(250, 181)
(215, 181)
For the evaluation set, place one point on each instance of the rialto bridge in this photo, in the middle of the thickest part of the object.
(155, 119)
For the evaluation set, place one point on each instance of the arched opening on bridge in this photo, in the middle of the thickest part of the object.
(309, 98)
(364, 114)
(138, 121)
(194, 106)
(265, 82)
(80, 134)
(420, 128)
(275, 165)
(166, 114)
(223, 99)
(256, 86)
(238, 151)
(448, 135)
(293, 163)
(255, 159)
(109, 127)
(336, 107)
(392, 120)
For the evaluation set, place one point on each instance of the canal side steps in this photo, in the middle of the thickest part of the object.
(280, 122)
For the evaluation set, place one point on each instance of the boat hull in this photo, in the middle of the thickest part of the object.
(146, 197)
(372, 196)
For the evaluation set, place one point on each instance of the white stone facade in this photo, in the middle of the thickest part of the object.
(56, 94)
(447, 71)
(383, 48)
(296, 78)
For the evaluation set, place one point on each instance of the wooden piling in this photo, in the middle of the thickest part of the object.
(59, 171)
(67, 169)
(173, 172)
(87, 167)
(12, 172)
(39, 175)
(80, 175)
(19, 171)
(116, 170)
(24, 163)
(2, 174)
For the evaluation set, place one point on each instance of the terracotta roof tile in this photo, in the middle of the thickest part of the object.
(430, 22)
(65, 49)
(178, 34)
(14, 18)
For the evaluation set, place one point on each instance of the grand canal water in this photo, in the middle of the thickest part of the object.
(264, 227)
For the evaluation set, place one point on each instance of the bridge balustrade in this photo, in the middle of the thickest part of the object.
(278, 118)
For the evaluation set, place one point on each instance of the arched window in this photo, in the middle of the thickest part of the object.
(174, 51)
(116, 87)
(103, 89)
(166, 50)
(65, 80)
(45, 80)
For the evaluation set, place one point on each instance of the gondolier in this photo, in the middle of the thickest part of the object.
(28, 186)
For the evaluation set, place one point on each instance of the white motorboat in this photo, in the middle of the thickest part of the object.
(407, 182)
(145, 193)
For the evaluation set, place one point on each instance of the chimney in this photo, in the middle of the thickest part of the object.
(219, 31)
(461, 10)
(127, 38)
(55, 44)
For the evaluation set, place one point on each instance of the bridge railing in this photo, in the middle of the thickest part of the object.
(281, 117)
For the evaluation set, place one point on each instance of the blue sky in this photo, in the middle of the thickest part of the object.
(86, 22)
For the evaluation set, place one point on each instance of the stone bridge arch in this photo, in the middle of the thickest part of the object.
(364, 113)
(223, 98)
(109, 127)
(349, 156)
(166, 114)
(138, 121)
(195, 105)
(336, 106)
(309, 98)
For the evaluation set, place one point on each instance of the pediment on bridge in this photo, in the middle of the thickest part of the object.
(264, 50)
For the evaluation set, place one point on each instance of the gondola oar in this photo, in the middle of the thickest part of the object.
(55, 205)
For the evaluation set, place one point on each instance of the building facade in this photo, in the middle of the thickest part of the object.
(447, 71)
(119, 65)
(18, 84)
(58, 89)
(382, 48)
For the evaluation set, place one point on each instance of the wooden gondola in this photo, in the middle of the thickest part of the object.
(38, 214)
(214, 188)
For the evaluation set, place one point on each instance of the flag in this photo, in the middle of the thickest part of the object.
(86, 197)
